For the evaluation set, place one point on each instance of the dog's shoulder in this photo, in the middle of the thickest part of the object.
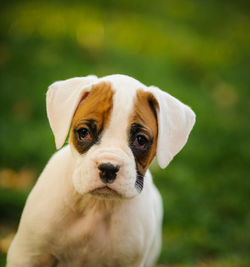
(62, 157)
(52, 180)
(60, 164)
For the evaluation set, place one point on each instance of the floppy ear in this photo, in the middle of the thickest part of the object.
(62, 100)
(175, 122)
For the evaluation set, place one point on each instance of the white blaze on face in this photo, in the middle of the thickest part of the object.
(114, 147)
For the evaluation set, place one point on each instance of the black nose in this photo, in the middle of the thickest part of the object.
(108, 172)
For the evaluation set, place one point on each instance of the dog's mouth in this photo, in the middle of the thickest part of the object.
(105, 192)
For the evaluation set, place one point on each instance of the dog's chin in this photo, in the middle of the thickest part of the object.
(105, 192)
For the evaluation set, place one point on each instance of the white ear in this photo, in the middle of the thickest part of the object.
(62, 100)
(175, 122)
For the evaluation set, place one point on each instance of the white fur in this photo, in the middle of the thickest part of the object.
(62, 223)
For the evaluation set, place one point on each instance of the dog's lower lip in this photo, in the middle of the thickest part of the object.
(105, 191)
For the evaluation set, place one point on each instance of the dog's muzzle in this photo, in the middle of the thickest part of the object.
(108, 172)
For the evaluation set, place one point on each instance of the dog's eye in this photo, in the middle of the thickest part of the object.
(84, 134)
(140, 142)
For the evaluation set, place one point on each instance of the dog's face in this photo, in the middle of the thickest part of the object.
(113, 136)
(115, 126)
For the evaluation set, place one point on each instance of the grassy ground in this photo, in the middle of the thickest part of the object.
(196, 50)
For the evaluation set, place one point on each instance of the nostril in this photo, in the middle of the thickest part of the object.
(108, 172)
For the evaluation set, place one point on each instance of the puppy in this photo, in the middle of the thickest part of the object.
(95, 203)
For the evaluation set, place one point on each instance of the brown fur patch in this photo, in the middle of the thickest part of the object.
(93, 113)
(145, 115)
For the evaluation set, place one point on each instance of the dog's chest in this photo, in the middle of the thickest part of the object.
(99, 238)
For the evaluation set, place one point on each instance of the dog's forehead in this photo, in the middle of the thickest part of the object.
(115, 92)
(125, 89)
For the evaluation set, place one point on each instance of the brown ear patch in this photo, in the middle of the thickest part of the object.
(143, 128)
(92, 115)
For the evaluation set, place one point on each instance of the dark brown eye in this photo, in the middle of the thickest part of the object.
(83, 134)
(140, 142)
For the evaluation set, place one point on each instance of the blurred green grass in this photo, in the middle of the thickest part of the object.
(196, 50)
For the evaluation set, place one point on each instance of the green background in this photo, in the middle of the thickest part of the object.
(197, 51)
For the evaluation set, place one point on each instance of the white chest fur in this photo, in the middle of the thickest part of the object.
(102, 234)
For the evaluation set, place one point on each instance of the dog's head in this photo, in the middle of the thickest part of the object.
(117, 125)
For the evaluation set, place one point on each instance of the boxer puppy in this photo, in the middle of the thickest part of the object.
(95, 203)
